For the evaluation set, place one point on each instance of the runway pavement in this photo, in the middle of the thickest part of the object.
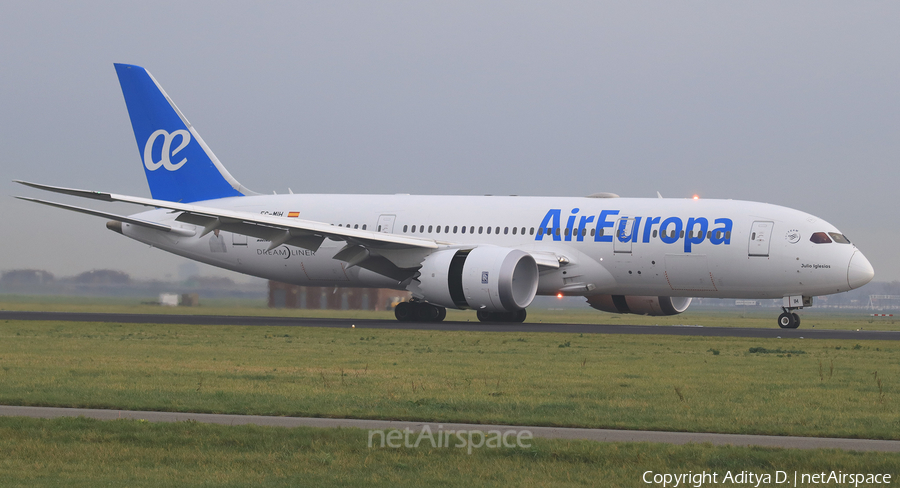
(686, 330)
(598, 435)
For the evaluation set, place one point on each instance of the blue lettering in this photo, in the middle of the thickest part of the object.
(570, 224)
(623, 224)
(691, 237)
(602, 223)
(722, 235)
(582, 225)
(551, 220)
(671, 230)
(664, 235)
(648, 227)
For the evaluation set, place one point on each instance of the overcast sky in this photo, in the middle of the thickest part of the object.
(791, 103)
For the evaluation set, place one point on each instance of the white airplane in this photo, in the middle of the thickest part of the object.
(491, 254)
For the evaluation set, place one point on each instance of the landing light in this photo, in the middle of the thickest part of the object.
(696, 197)
(559, 295)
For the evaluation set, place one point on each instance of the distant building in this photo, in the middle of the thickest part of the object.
(101, 277)
(26, 277)
(283, 295)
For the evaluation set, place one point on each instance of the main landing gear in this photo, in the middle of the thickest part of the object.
(421, 311)
(426, 312)
(788, 319)
(501, 316)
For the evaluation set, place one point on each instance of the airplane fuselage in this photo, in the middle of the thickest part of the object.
(623, 246)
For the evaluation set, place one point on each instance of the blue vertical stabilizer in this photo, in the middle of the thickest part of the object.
(180, 167)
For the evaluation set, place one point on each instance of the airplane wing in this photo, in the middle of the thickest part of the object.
(384, 253)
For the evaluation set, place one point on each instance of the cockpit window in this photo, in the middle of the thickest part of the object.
(819, 238)
(839, 238)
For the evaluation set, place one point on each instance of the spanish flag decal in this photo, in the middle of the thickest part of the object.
(293, 214)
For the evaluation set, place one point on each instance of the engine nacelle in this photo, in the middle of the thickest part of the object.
(489, 278)
(639, 305)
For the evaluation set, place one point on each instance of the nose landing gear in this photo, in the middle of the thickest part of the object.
(788, 320)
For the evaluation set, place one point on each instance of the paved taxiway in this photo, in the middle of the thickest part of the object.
(598, 435)
(686, 330)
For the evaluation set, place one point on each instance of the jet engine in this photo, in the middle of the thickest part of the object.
(486, 278)
(639, 305)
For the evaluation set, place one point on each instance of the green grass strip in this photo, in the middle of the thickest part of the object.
(76, 452)
(835, 388)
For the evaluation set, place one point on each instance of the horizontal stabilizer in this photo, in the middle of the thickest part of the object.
(107, 215)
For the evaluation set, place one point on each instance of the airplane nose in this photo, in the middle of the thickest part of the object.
(860, 271)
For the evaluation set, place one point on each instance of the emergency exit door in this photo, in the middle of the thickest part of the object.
(386, 224)
(760, 237)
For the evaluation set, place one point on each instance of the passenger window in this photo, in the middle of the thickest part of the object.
(454, 229)
(681, 235)
(446, 229)
(480, 229)
(654, 233)
(540, 231)
(421, 229)
(505, 230)
(523, 231)
(532, 231)
(556, 232)
(364, 226)
(709, 234)
(514, 230)
(438, 229)
(593, 231)
(464, 229)
(429, 229)
(472, 229)
(356, 226)
(839, 238)
(820, 238)
(413, 230)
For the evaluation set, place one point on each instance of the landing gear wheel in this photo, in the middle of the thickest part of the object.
(404, 312)
(442, 314)
(786, 321)
(796, 320)
(426, 312)
(518, 316)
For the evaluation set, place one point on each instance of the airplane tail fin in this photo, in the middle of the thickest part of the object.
(180, 167)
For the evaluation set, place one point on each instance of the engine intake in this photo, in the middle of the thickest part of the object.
(639, 305)
(493, 279)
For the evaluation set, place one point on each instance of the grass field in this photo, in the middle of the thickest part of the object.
(773, 386)
(734, 385)
(89, 453)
